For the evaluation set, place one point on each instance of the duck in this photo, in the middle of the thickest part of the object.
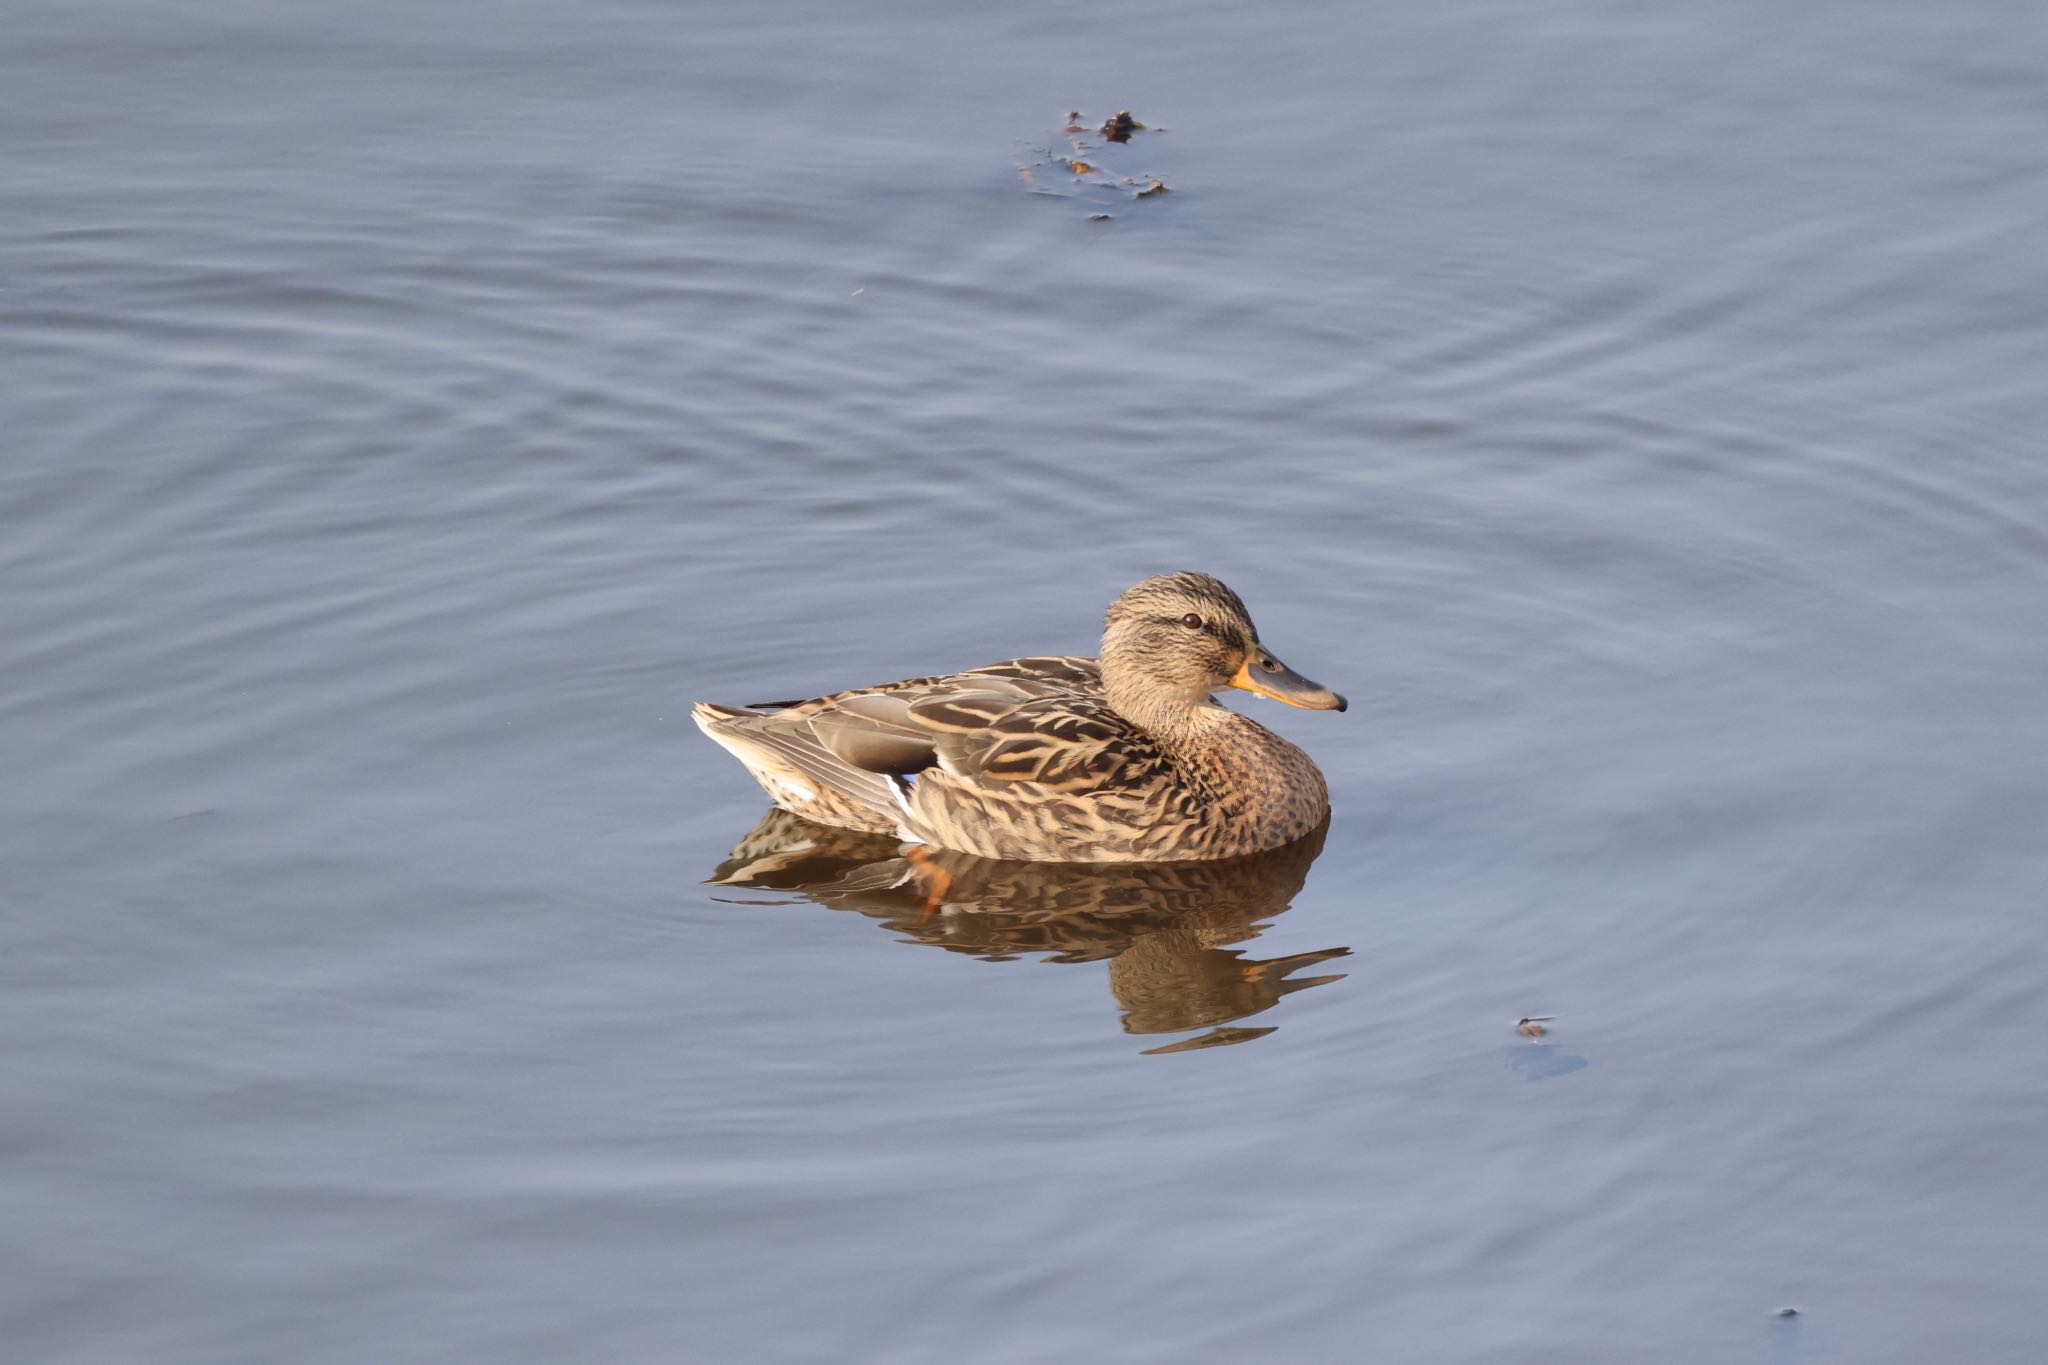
(1123, 758)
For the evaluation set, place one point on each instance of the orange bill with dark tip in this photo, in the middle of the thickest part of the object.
(1267, 676)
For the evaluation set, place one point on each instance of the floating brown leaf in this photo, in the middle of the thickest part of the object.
(1121, 126)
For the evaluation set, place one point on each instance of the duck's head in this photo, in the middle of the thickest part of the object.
(1180, 638)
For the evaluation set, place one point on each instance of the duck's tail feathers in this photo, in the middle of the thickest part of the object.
(797, 771)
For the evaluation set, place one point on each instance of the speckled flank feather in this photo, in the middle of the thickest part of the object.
(1041, 759)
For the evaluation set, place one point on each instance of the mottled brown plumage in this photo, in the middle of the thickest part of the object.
(1059, 759)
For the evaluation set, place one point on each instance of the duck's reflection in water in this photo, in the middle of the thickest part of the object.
(1162, 927)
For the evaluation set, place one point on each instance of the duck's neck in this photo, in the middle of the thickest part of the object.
(1181, 724)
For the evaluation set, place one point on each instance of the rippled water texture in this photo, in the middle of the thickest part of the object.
(410, 410)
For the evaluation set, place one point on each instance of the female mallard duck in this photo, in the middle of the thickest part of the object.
(1125, 759)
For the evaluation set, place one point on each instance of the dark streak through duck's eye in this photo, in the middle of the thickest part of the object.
(1191, 621)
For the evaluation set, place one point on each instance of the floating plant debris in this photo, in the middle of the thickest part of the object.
(1080, 162)
(1120, 126)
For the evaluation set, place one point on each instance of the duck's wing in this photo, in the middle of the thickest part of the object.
(978, 725)
(1052, 778)
(1064, 742)
(849, 758)
(984, 730)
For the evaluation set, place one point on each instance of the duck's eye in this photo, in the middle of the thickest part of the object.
(1192, 621)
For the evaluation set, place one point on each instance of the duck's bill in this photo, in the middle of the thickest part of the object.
(1267, 676)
